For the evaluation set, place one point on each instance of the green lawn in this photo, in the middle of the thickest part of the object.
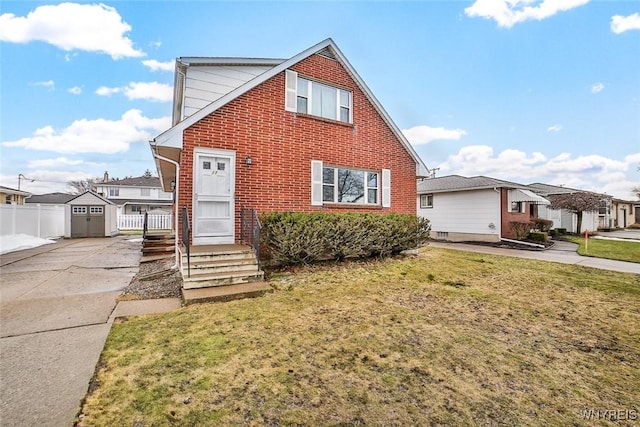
(610, 249)
(446, 338)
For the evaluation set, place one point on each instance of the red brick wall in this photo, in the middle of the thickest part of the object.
(282, 145)
(507, 216)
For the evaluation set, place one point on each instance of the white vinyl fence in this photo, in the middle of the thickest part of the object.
(136, 222)
(34, 220)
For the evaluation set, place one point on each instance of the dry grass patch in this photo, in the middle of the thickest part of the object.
(449, 338)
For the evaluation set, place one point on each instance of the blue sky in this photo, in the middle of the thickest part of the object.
(523, 90)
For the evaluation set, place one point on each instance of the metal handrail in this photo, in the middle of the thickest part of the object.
(250, 230)
(145, 225)
(186, 234)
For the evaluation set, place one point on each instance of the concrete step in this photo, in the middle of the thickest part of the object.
(225, 293)
(210, 267)
(207, 280)
(153, 236)
(157, 249)
(230, 258)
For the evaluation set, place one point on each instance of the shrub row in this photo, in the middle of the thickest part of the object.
(297, 237)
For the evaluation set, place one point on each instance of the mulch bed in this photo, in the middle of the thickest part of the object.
(155, 279)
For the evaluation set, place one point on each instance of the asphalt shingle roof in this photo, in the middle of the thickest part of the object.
(459, 183)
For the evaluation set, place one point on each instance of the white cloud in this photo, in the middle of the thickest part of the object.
(70, 26)
(107, 91)
(95, 136)
(620, 24)
(597, 87)
(588, 172)
(507, 13)
(155, 65)
(53, 163)
(151, 91)
(49, 84)
(554, 128)
(76, 90)
(419, 135)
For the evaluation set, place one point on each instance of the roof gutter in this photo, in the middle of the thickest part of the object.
(175, 230)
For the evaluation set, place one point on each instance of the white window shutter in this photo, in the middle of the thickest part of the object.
(291, 97)
(316, 183)
(386, 188)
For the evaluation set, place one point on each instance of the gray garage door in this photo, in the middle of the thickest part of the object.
(87, 221)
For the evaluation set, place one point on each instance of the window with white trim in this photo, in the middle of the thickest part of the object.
(335, 184)
(318, 99)
(96, 210)
(145, 192)
(517, 207)
(426, 201)
(79, 210)
(114, 192)
(342, 185)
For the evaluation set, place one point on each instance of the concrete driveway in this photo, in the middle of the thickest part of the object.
(55, 303)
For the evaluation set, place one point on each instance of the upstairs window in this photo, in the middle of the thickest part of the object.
(318, 99)
(145, 192)
(114, 192)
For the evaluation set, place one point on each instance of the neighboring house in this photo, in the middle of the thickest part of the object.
(624, 213)
(50, 198)
(302, 134)
(136, 195)
(11, 196)
(591, 220)
(478, 208)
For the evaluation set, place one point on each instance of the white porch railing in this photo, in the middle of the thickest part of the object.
(136, 222)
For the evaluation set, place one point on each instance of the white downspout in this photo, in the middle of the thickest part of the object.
(177, 165)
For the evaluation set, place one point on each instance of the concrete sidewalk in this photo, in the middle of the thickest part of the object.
(57, 303)
(562, 252)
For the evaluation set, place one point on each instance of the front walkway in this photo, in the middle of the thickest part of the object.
(562, 252)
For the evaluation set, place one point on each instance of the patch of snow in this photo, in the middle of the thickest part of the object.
(135, 240)
(18, 242)
(615, 238)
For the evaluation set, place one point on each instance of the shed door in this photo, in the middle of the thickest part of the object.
(213, 211)
(87, 221)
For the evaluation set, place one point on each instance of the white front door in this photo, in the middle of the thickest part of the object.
(213, 200)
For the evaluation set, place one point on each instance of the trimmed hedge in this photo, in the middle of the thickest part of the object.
(539, 236)
(298, 237)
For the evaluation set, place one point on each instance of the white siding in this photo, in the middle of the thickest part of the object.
(135, 193)
(464, 212)
(205, 84)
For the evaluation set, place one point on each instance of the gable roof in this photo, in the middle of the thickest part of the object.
(172, 138)
(463, 183)
(92, 194)
(51, 198)
(139, 181)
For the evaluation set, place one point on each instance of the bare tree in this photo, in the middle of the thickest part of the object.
(636, 190)
(80, 186)
(578, 203)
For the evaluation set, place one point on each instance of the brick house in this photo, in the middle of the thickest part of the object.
(302, 134)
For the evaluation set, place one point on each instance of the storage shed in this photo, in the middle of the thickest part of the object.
(90, 215)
